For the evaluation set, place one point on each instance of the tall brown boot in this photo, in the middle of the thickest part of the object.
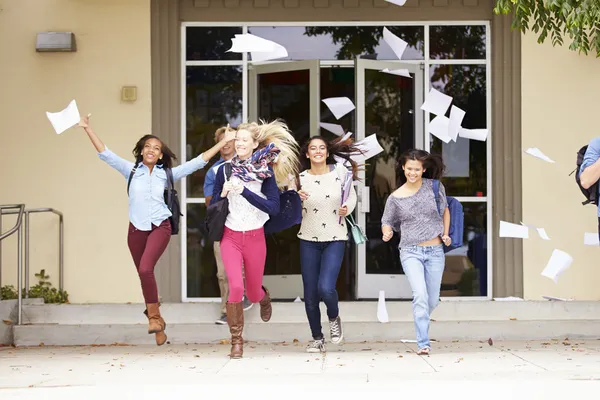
(265, 306)
(160, 337)
(235, 320)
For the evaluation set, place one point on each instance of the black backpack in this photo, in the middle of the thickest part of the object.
(590, 194)
(170, 196)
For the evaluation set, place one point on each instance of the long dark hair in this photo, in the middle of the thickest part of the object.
(336, 147)
(168, 156)
(432, 163)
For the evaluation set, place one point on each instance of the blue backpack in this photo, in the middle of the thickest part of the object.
(457, 218)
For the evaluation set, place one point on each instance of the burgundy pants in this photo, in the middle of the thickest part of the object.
(146, 247)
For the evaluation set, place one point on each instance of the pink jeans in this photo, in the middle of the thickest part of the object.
(246, 250)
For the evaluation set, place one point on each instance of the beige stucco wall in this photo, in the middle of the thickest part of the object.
(560, 109)
(43, 169)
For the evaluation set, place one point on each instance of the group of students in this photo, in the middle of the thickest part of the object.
(264, 159)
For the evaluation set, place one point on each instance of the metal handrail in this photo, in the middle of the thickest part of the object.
(61, 249)
(16, 228)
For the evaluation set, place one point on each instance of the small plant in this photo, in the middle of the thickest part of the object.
(42, 290)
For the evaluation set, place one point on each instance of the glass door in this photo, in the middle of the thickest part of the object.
(387, 105)
(289, 91)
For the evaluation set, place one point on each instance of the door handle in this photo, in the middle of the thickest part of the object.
(365, 203)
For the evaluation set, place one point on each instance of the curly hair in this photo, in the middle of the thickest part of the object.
(168, 156)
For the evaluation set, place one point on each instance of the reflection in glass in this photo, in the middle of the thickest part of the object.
(465, 273)
(211, 43)
(213, 99)
(201, 266)
(337, 82)
(466, 85)
(341, 42)
(389, 112)
(457, 42)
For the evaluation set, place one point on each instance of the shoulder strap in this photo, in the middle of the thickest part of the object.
(170, 185)
(227, 171)
(131, 176)
(436, 194)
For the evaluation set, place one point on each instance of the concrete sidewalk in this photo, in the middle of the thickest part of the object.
(55, 371)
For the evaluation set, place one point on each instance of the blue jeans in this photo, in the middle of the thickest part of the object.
(424, 267)
(320, 263)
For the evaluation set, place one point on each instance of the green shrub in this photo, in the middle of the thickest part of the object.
(43, 290)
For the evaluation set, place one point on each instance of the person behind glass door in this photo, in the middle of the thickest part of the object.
(266, 155)
(412, 210)
(227, 153)
(149, 226)
(323, 232)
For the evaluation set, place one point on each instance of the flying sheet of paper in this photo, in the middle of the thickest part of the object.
(558, 264)
(473, 134)
(369, 146)
(397, 2)
(398, 45)
(339, 106)
(401, 72)
(534, 151)
(346, 136)
(542, 233)
(382, 314)
(259, 48)
(436, 103)
(591, 239)
(65, 119)
(298, 300)
(513, 230)
(510, 298)
(333, 128)
(456, 118)
(439, 128)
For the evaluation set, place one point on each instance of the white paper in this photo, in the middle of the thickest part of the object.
(298, 300)
(409, 340)
(65, 119)
(551, 298)
(260, 49)
(398, 45)
(439, 128)
(558, 264)
(333, 128)
(591, 239)
(542, 233)
(346, 136)
(456, 118)
(400, 72)
(534, 151)
(339, 106)
(510, 298)
(436, 103)
(474, 134)
(397, 2)
(456, 158)
(513, 230)
(369, 146)
(382, 314)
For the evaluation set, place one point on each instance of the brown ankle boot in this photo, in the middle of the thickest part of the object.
(235, 320)
(265, 306)
(160, 337)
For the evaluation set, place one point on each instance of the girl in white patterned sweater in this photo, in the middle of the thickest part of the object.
(323, 232)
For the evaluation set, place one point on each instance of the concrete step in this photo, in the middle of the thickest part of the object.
(194, 333)
(206, 313)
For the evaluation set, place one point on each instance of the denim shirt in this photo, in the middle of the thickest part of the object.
(592, 154)
(146, 194)
(209, 179)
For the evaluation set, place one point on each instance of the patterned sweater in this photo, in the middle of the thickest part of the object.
(320, 219)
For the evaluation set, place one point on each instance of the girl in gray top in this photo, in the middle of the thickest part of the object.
(412, 211)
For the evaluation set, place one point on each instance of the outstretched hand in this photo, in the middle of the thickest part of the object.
(229, 134)
(85, 121)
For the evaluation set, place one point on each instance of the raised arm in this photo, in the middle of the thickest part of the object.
(199, 162)
(123, 166)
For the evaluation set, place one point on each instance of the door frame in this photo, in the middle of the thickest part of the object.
(367, 286)
(286, 286)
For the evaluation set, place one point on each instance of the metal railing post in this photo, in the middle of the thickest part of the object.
(61, 252)
(26, 254)
(20, 273)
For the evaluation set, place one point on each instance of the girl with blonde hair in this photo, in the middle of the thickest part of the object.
(266, 156)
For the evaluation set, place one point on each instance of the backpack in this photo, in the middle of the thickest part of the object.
(170, 196)
(216, 213)
(590, 194)
(457, 218)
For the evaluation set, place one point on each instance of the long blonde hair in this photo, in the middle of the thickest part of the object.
(277, 132)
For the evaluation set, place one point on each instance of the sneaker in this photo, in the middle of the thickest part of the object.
(335, 330)
(222, 319)
(247, 304)
(316, 346)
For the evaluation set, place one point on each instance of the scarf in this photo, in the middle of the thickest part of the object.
(255, 168)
